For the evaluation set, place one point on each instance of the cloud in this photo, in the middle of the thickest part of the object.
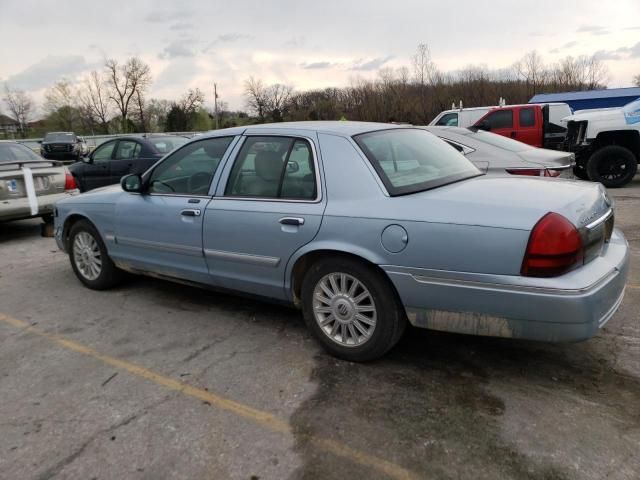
(607, 55)
(176, 49)
(564, 47)
(632, 28)
(163, 16)
(182, 26)
(47, 71)
(227, 38)
(373, 64)
(317, 65)
(179, 73)
(622, 53)
(295, 42)
(593, 29)
(632, 52)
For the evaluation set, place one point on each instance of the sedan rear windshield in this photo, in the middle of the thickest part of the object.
(60, 137)
(499, 141)
(413, 160)
(14, 152)
(166, 144)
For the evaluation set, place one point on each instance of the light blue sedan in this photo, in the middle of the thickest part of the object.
(363, 226)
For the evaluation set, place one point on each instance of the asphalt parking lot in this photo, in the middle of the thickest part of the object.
(157, 380)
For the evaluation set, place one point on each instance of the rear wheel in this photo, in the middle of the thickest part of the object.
(352, 309)
(89, 258)
(613, 166)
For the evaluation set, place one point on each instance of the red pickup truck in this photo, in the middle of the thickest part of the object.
(533, 124)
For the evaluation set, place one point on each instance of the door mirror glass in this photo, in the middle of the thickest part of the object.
(131, 183)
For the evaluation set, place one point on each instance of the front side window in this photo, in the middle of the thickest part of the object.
(103, 152)
(273, 167)
(448, 120)
(189, 171)
(412, 160)
(500, 119)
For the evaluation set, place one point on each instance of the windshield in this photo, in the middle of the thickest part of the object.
(499, 141)
(60, 137)
(14, 152)
(166, 144)
(632, 112)
(412, 160)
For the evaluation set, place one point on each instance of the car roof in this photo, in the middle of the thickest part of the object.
(339, 127)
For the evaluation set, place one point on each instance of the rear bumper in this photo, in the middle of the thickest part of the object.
(572, 307)
(18, 208)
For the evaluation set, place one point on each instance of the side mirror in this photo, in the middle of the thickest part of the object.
(483, 126)
(131, 183)
(88, 159)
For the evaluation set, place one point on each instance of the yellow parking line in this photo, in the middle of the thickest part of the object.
(265, 419)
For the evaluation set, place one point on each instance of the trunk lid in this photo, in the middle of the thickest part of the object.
(48, 178)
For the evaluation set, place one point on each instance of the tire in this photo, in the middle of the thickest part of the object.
(580, 172)
(85, 245)
(381, 319)
(613, 166)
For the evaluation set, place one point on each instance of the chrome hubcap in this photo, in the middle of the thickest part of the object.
(86, 255)
(344, 309)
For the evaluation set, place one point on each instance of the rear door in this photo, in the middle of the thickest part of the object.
(126, 155)
(268, 205)
(529, 129)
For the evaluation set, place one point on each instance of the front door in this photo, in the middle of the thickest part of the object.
(529, 130)
(269, 207)
(97, 173)
(160, 231)
(501, 122)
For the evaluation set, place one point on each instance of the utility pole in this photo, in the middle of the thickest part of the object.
(215, 103)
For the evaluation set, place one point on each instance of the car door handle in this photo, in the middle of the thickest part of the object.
(292, 221)
(190, 212)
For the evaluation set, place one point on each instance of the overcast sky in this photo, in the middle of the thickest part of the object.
(306, 44)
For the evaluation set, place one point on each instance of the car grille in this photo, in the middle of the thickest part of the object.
(59, 147)
(576, 132)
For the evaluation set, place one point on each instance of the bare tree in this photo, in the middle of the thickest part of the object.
(20, 106)
(191, 101)
(256, 97)
(278, 96)
(636, 80)
(94, 99)
(124, 82)
(60, 105)
(532, 70)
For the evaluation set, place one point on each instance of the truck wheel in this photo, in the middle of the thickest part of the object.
(580, 172)
(352, 309)
(613, 166)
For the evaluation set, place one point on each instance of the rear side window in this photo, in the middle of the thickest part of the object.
(448, 120)
(412, 160)
(527, 117)
(273, 167)
(500, 119)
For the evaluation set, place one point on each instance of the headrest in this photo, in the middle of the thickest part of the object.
(268, 165)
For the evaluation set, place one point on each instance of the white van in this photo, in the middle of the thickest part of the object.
(460, 117)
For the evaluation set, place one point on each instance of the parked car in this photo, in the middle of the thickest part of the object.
(112, 160)
(21, 168)
(606, 143)
(61, 146)
(497, 155)
(536, 125)
(460, 117)
(389, 224)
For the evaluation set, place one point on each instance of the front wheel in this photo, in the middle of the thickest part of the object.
(613, 166)
(352, 309)
(89, 258)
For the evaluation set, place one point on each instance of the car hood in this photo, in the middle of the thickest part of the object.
(505, 202)
(598, 115)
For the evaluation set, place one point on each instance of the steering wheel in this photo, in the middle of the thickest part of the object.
(199, 183)
(164, 184)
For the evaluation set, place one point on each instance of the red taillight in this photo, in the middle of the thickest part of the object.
(554, 247)
(69, 181)
(534, 172)
(529, 172)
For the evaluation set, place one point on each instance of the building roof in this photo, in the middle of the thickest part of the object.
(586, 95)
